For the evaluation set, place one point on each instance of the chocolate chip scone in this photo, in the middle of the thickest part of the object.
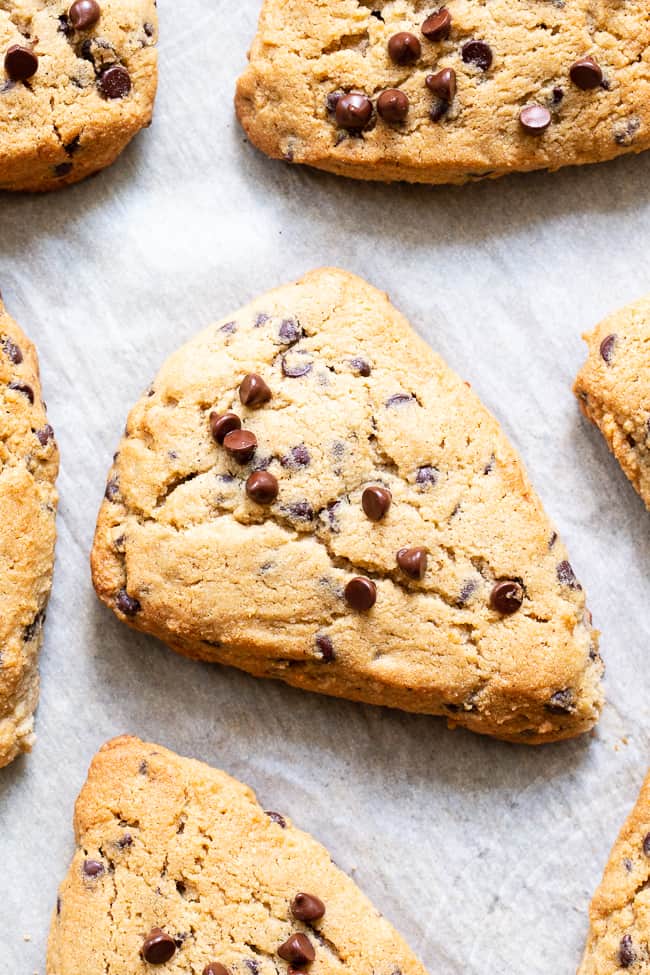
(613, 389)
(178, 865)
(28, 467)
(77, 82)
(307, 492)
(619, 934)
(397, 90)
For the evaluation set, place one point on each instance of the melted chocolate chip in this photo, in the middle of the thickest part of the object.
(93, 868)
(586, 73)
(262, 487)
(158, 947)
(413, 562)
(277, 818)
(375, 502)
(442, 84)
(84, 14)
(290, 331)
(353, 111)
(24, 389)
(361, 593)
(404, 48)
(506, 597)
(114, 81)
(478, 53)
(297, 950)
(221, 424)
(626, 952)
(307, 907)
(535, 119)
(45, 434)
(562, 702)
(126, 604)
(297, 457)
(392, 105)
(20, 62)
(326, 648)
(253, 391)
(437, 26)
(241, 444)
(567, 576)
(607, 348)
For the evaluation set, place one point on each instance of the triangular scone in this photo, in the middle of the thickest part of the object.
(619, 935)
(613, 389)
(28, 467)
(398, 90)
(361, 413)
(178, 866)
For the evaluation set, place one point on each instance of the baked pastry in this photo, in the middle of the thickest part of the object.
(613, 389)
(401, 91)
(178, 866)
(76, 84)
(29, 463)
(309, 493)
(620, 925)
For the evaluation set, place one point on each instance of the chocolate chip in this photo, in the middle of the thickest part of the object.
(127, 604)
(562, 702)
(413, 562)
(297, 950)
(229, 328)
(222, 424)
(125, 841)
(326, 648)
(607, 348)
(426, 476)
(332, 101)
(397, 399)
(20, 63)
(361, 366)
(34, 628)
(12, 351)
(277, 818)
(361, 593)
(586, 73)
(24, 389)
(392, 105)
(353, 111)
(646, 844)
(506, 597)
(112, 488)
(253, 391)
(437, 25)
(534, 119)
(296, 366)
(241, 444)
(626, 952)
(158, 947)
(302, 510)
(625, 130)
(307, 907)
(442, 84)
(467, 590)
(556, 96)
(478, 53)
(297, 457)
(93, 868)
(64, 25)
(262, 487)
(148, 29)
(114, 81)
(290, 330)
(84, 14)
(45, 434)
(404, 48)
(566, 575)
(58, 905)
(215, 968)
(375, 501)
(63, 169)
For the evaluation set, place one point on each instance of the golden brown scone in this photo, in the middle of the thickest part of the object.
(613, 389)
(619, 935)
(77, 82)
(168, 843)
(515, 85)
(29, 463)
(481, 619)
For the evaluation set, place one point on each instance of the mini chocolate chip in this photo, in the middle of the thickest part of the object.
(277, 818)
(229, 328)
(158, 947)
(307, 907)
(297, 950)
(586, 73)
(290, 330)
(148, 29)
(24, 389)
(437, 25)
(215, 968)
(413, 562)
(626, 952)
(562, 702)
(20, 62)
(566, 575)
(552, 540)
(361, 593)
(478, 53)
(12, 351)
(45, 434)
(297, 457)
(326, 648)
(241, 444)
(253, 391)
(114, 81)
(397, 399)
(84, 14)
(607, 348)
(392, 105)
(442, 84)
(506, 597)
(535, 119)
(426, 476)
(646, 844)
(262, 487)
(127, 604)
(404, 48)
(93, 868)
(222, 424)
(297, 366)
(63, 169)
(125, 841)
(361, 366)
(556, 96)
(375, 501)
(301, 510)
(353, 111)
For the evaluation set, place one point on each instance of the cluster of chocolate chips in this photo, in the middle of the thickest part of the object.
(261, 486)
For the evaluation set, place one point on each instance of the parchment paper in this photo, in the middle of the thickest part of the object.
(484, 855)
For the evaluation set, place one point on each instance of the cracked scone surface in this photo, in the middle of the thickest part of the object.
(305, 54)
(28, 469)
(67, 121)
(358, 400)
(619, 933)
(177, 845)
(613, 389)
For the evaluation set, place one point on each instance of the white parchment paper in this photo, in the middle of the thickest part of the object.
(484, 855)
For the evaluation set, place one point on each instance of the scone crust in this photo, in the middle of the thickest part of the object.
(182, 553)
(620, 910)
(29, 464)
(613, 389)
(304, 52)
(58, 128)
(186, 848)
